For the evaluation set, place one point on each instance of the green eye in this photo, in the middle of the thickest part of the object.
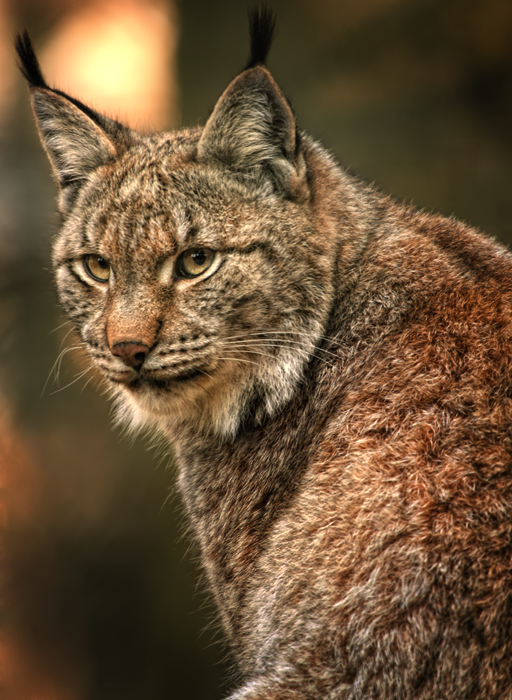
(195, 261)
(97, 268)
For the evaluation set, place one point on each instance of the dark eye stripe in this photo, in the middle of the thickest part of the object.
(69, 265)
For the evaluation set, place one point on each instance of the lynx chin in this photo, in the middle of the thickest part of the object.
(333, 371)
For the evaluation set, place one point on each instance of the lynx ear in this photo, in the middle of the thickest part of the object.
(75, 144)
(252, 131)
(76, 138)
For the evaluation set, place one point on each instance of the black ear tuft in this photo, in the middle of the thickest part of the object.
(28, 63)
(31, 69)
(262, 22)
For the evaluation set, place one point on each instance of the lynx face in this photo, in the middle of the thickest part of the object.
(189, 262)
(192, 289)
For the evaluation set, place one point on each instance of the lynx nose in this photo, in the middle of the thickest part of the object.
(132, 353)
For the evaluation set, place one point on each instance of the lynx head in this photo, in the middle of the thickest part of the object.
(190, 262)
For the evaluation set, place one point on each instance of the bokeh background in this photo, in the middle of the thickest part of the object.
(100, 593)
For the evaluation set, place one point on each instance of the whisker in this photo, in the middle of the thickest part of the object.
(251, 351)
(240, 359)
(66, 323)
(55, 370)
(76, 379)
(61, 358)
(87, 382)
(283, 332)
(284, 343)
(65, 337)
(277, 340)
(250, 337)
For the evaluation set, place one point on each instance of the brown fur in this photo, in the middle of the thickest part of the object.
(336, 387)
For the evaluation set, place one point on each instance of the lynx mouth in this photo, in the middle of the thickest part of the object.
(147, 379)
(188, 376)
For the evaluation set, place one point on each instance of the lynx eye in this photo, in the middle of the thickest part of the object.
(194, 262)
(97, 268)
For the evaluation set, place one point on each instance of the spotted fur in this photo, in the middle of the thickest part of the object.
(336, 387)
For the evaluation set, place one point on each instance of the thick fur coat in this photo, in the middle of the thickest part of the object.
(334, 372)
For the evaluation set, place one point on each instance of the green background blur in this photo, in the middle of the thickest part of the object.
(415, 95)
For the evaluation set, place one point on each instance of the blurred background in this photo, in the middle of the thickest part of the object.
(100, 593)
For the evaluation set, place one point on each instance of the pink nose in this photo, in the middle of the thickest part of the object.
(132, 353)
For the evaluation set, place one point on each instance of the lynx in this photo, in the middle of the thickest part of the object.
(333, 371)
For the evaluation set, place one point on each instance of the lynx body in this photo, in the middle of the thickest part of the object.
(334, 372)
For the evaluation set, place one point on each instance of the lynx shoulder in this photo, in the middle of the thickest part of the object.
(333, 370)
